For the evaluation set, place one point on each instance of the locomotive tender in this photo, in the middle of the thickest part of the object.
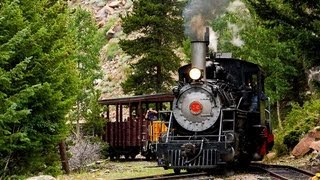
(219, 114)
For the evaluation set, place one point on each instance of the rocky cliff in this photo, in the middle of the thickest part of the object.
(114, 62)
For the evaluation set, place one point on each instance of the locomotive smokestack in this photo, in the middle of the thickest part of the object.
(199, 51)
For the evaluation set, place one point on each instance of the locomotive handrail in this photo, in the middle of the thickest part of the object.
(220, 126)
(169, 127)
(165, 120)
(239, 102)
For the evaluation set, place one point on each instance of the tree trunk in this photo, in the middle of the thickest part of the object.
(159, 81)
(64, 157)
(6, 166)
(78, 121)
(279, 116)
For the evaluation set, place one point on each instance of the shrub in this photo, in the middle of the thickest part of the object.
(292, 139)
(112, 50)
(84, 151)
(109, 24)
(280, 148)
(297, 123)
(104, 150)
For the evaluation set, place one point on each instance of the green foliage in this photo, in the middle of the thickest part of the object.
(94, 122)
(260, 46)
(292, 139)
(38, 85)
(109, 24)
(298, 122)
(88, 44)
(159, 24)
(300, 20)
(113, 49)
(316, 85)
(105, 150)
(187, 49)
(297, 23)
(282, 37)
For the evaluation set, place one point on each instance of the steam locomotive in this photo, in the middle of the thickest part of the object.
(220, 115)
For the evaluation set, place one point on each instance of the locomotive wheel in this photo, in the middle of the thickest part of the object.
(126, 156)
(148, 157)
(154, 157)
(177, 171)
(112, 157)
(133, 156)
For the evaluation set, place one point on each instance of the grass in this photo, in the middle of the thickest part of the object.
(119, 170)
(112, 50)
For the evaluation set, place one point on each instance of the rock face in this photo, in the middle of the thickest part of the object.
(114, 4)
(115, 64)
(307, 143)
(113, 61)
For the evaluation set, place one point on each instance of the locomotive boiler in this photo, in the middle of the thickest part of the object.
(220, 115)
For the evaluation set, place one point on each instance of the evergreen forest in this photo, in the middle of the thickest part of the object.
(51, 59)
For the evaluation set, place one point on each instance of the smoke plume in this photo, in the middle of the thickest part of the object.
(213, 45)
(198, 13)
(236, 40)
(237, 5)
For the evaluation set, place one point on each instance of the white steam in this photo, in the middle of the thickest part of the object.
(213, 45)
(236, 6)
(239, 8)
(236, 40)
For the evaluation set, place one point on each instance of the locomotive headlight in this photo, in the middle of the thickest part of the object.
(195, 73)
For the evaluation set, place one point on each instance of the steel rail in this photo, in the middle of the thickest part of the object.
(169, 176)
(283, 172)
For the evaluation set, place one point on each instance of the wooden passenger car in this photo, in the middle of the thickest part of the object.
(127, 131)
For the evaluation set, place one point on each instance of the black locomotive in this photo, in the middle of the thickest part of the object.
(220, 114)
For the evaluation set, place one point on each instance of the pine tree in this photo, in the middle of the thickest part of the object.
(158, 27)
(38, 84)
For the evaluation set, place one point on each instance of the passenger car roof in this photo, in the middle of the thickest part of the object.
(136, 99)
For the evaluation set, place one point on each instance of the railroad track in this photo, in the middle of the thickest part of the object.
(275, 171)
(171, 176)
(284, 172)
